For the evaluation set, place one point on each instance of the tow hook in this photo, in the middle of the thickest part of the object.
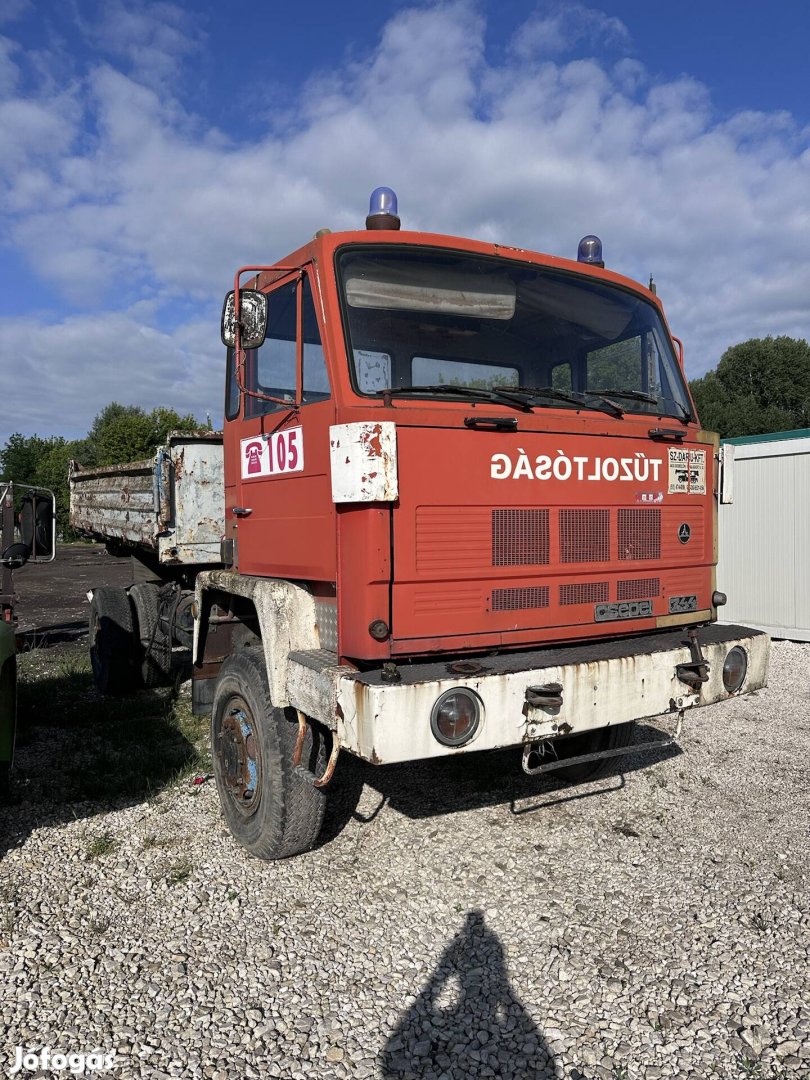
(322, 781)
(696, 671)
(548, 696)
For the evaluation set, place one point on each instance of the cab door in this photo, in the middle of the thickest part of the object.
(284, 515)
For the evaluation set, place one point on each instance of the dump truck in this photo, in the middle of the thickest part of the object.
(27, 533)
(461, 501)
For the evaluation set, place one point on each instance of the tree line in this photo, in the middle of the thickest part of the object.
(119, 433)
(759, 386)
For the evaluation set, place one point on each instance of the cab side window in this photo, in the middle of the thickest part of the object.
(316, 379)
(232, 392)
(271, 369)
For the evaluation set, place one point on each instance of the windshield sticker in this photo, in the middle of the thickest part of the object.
(639, 468)
(687, 472)
(273, 455)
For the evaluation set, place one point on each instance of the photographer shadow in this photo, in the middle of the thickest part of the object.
(467, 1021)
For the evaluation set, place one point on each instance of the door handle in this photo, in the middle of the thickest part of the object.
(241, 511)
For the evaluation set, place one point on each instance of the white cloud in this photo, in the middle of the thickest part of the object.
(150, 37)
(14, 9)
(9, 72)
(559, 28)
(65, 372)
(118, 192)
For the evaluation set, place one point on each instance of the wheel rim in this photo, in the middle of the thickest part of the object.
(239, 757)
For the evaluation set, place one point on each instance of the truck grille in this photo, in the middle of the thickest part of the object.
(584, 536)
(520, 537)
(639, 534)
(520, 599)
(587, 592)
(453, 541)
(638, 589)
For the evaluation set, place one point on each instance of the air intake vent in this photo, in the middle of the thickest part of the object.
(587, 592)
(584, 536)
(639, 589)
(518, 599)
(519, 537)
(639, 535)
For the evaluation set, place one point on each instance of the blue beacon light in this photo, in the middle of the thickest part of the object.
(382, 209)
(590, 251)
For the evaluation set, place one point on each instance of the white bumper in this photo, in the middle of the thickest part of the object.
(390, 722)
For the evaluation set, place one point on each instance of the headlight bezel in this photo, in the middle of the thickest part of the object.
(471, 731)
(733, 685)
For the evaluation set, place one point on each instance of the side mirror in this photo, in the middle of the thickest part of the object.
(37, 525)
(15, 556)
(252, 319)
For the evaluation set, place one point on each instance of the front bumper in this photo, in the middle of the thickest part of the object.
(603, 684)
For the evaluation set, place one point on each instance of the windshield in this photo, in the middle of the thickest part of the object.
(436, 320)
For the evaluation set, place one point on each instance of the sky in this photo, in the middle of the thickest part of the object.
(147, 149)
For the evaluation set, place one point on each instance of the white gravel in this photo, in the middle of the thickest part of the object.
(464, 921)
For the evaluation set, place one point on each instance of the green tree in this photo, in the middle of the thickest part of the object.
(759, 386)
(120, 433)
(127, 433)
(20, 457)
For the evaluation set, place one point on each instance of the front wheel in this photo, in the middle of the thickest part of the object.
(589, 742)
(272, 807)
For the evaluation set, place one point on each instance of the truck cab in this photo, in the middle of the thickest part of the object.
(472, 447)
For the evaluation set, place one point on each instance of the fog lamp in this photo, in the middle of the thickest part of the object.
(735, 668)
(455, 716)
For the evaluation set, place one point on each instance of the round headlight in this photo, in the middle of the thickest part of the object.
(735, 668)
(455, 716)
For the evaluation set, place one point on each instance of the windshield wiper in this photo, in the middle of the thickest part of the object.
(574, 397)
(502, 397)
(641, 395)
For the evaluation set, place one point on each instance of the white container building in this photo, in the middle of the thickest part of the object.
(764, 533)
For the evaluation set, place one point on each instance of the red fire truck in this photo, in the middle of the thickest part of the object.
(463, 502)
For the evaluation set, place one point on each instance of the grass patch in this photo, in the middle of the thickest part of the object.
(100, 846)
(179, 872)
(75, 745)
(153, 842)
(749, 1066)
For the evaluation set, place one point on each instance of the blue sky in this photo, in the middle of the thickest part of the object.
(147, 148)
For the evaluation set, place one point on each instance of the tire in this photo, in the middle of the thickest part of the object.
(589, 742)
(155, 656)
(8, 723)
(112, 641)
(272, 808)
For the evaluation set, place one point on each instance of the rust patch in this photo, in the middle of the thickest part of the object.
(371, 440)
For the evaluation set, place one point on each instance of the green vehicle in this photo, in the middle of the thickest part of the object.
(27, 533)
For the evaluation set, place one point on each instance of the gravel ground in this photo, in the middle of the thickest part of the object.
(458, 919)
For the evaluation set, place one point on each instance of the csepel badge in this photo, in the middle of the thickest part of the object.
(635, 609)
(684, 533)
